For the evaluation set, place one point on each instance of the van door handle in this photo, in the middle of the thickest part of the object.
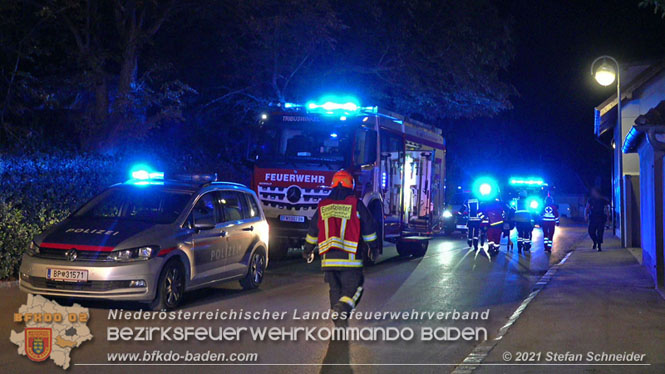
(222, 234)
(250, 228)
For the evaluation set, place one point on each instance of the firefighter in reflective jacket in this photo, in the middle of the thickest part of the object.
(549, 219)
(337, 227)
(475, 217)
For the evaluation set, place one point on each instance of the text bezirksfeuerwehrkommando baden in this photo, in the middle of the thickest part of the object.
(295, 315)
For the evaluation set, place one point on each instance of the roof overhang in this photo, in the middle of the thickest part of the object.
(649, 127)
(605, 116)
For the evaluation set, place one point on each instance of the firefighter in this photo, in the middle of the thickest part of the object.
(475, 217)
(492, 223)
(508, 225)
(524, 223)
(337, 227)
(549, 219)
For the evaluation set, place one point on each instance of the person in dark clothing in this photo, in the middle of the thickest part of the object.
(596, 215)
(337, 228)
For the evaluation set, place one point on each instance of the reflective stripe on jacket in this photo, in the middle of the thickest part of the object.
(337, 227)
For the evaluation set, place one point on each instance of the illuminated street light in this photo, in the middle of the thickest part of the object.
(605, 75)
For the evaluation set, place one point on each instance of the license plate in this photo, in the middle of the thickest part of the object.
(460, 226)
(67, 275)
(300, 219)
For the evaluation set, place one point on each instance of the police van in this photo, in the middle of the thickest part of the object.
(152, 239)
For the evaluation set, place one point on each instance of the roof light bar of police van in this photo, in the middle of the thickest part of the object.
(196, 178)
(141, 175)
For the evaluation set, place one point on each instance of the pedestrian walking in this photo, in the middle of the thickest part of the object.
(596, 215)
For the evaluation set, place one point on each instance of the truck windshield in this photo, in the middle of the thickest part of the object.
(148, 204)
(305, 142)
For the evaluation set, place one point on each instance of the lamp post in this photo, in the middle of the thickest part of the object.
(605, 74)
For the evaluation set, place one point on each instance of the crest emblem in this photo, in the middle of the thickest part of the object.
(38, 343)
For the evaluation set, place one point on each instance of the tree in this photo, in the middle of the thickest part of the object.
(111, 97)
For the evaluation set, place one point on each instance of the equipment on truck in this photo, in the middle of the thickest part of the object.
(398, 165)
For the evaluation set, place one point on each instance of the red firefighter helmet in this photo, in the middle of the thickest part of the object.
(344, 178)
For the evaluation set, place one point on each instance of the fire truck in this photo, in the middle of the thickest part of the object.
(398, 165)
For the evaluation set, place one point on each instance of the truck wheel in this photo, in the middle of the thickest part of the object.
(170, 287)
(419, 248)
(403, 248)
(278, 249)
(255, 271)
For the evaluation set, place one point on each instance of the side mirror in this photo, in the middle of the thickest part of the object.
(204, 223)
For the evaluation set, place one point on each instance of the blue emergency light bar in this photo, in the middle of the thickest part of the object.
(527, 182)
(147, 175)
(144, 175)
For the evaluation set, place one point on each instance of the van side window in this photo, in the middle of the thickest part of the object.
(234, 205)
(253, 206)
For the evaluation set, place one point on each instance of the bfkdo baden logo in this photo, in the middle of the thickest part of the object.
(51, 330)
(38, 343)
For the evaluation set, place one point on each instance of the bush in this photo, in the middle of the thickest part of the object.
(15, 236)
(39, 190)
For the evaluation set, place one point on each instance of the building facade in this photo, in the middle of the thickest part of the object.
(642, 88)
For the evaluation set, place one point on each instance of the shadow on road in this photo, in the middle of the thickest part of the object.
(337, 359)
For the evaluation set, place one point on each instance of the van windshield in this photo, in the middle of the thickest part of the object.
(148, 204)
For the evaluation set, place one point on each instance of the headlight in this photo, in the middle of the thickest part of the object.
(447, 214)
(134, 254)
(33, 249)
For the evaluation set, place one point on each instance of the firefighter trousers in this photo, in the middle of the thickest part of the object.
(548, 233)
(346, 288)
(474, 234)
(524, 230)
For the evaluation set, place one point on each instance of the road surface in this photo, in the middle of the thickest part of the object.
(449, 278)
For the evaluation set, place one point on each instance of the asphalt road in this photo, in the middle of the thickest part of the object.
(449, 278)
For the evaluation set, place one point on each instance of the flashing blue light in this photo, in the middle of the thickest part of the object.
(485, 188)
(333, 134)
(334, 105)
(384, 179)
(342, 118)
(142, 174)
(527, 181)
(513, 203)
(290, 105)
(534, 203)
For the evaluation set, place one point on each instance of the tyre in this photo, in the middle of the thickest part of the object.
(403, 248)
(419, 248)
(170, 287)
(255, 271)
(278, 249)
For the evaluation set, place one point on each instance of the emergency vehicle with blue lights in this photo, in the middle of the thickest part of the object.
(150, 239)
(398, 165)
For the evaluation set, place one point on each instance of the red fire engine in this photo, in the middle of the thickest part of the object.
(398, 164)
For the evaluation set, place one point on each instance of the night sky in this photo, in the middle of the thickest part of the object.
(550, 130)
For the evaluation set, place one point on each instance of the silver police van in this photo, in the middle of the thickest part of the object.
(152, 239)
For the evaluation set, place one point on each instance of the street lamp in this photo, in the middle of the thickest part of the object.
(605, 74)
